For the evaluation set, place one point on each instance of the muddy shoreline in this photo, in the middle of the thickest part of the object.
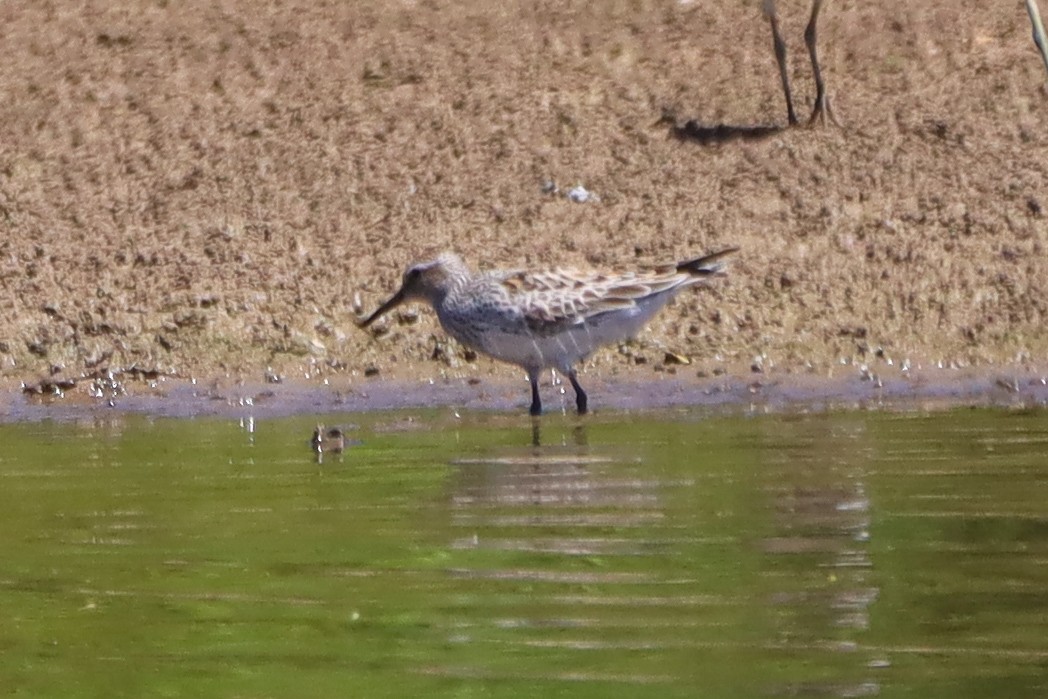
(189, 189)
(851, 388)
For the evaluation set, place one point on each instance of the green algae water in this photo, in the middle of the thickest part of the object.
(674, 555)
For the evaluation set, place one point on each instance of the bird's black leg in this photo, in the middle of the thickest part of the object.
(780, 57)
(822, 110)
(536, 402)
(580, 395)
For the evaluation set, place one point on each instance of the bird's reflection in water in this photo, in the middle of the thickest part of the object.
(546, 533)
(580, 437)
(560, 480)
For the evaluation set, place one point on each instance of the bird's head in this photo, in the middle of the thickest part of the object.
(425, 281)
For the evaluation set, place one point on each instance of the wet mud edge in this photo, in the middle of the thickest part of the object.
(926, 389)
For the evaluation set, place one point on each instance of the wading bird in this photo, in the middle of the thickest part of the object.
(549, 319)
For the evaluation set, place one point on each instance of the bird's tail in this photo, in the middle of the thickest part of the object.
(707, 265)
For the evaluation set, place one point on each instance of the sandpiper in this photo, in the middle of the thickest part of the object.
(540, 320)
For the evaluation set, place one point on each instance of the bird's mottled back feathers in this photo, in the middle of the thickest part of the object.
(552, 300)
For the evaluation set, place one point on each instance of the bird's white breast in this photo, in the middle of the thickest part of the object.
(506, 337)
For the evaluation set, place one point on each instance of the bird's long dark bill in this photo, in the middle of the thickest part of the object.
(394, 301)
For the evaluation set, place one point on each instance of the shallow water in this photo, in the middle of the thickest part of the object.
(678, 554)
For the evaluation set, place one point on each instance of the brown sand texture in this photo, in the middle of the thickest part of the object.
(201, 189)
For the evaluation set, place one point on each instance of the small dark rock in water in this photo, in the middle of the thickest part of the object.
(328, 440)
(371, 371)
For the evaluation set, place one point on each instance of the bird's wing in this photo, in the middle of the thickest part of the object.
(552, 301)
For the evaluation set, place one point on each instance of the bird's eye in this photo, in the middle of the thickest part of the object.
(413, 274)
